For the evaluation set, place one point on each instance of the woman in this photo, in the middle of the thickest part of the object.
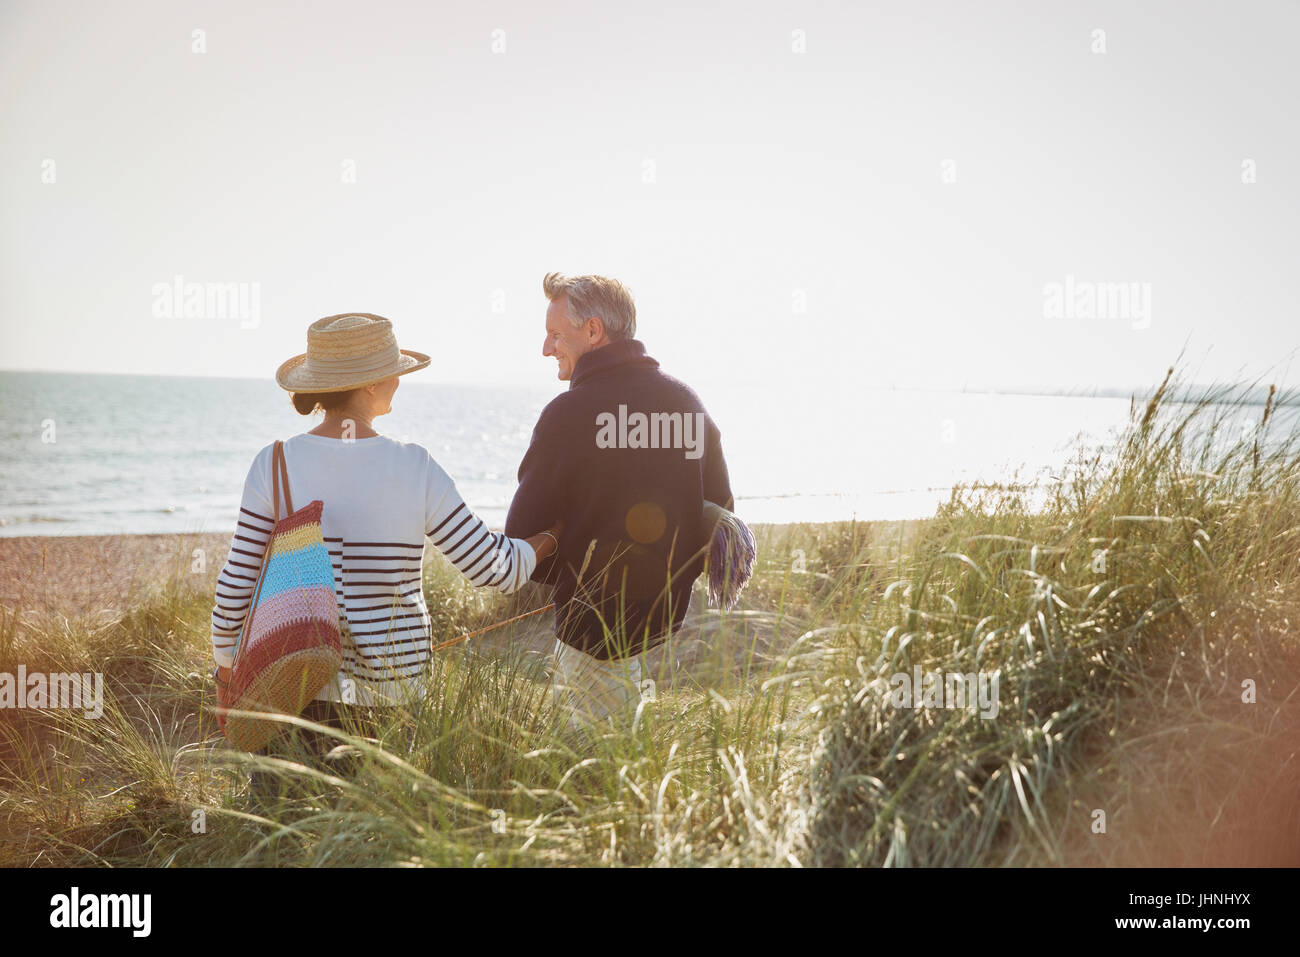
(382, 497)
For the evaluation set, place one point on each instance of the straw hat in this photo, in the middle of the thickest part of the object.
(346, 352)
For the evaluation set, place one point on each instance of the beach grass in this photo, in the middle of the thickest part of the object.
(1139, 617)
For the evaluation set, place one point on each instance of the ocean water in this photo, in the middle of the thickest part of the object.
(96, 454)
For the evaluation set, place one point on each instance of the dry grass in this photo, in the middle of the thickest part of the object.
(1122, 617)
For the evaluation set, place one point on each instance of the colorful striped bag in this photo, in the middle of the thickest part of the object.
(290, 647)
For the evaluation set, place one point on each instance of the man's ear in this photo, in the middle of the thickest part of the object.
(595, 329)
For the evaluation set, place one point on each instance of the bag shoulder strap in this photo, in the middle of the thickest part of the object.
(280, 479)
(278, 469)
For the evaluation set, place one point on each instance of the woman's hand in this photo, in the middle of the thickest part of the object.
(545, 543)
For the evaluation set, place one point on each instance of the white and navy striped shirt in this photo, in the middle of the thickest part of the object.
(382, 497)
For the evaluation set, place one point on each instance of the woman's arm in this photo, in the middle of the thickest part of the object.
(541, 473)
(238, 576)
(488, 559)
(545, 543)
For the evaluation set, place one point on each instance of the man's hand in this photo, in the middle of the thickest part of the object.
(222, 676)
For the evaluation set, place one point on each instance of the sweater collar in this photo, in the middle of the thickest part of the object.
(625, 352)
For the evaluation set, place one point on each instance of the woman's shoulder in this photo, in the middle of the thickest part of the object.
(382, 451)
(263, 455)
(411, 451)
(417, 456)
(259, 470)
(375, 443)
(414, 456)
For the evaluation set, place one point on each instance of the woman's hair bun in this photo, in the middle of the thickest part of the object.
(304, 402)
(308, 402)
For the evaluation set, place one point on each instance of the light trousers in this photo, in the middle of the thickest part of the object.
(588, 690)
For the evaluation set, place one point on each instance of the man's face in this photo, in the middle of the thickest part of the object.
(566, 343)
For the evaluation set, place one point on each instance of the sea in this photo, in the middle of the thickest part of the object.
(88, 454)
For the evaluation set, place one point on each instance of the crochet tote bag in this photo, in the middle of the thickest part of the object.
(290, 647)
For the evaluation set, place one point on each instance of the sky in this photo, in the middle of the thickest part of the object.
(816, 197)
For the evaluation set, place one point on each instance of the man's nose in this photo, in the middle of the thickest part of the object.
(546, 347)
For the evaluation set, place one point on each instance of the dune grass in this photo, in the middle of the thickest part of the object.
(1138, 616)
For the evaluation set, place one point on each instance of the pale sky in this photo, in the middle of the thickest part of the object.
(781, 216)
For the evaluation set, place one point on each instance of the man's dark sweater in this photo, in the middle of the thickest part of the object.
(634, 538)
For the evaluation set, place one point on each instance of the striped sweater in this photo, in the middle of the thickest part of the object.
(382, 497)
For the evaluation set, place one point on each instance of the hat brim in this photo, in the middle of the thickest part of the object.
(293, 376)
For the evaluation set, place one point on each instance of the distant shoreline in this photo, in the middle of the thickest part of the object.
(913, 504)
(1248, 393)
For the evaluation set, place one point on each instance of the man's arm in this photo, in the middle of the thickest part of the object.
(717, 483)
(536, 504)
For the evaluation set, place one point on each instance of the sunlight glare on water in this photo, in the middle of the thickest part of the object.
(90, 454)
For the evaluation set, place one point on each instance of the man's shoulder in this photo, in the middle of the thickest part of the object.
(677, 385)
(562, 409)
(634, 383)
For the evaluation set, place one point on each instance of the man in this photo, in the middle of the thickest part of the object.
(625, 460)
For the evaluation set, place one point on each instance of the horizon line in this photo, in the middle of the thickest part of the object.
(1256, 393)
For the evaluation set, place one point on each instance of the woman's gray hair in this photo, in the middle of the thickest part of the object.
(589, 296)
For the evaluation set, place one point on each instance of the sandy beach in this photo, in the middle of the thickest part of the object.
(100, 575)
(96, 579)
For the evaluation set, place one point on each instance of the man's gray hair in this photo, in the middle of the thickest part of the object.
(598, 296)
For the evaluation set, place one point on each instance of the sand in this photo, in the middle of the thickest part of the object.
(97, 578)
(85, 574)
(100, 575)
